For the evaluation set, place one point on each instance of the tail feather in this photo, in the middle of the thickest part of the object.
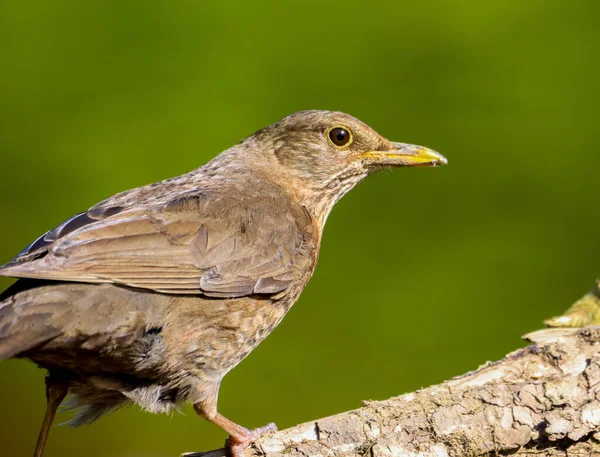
(26, 322)
(85, 413)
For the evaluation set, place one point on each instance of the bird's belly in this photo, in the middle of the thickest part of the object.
(210, 338)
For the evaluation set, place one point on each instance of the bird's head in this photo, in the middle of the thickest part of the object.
(320, 155)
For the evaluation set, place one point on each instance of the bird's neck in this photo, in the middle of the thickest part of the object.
(319, 199)
(317, 192)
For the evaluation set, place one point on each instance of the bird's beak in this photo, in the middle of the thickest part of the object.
(406, 155)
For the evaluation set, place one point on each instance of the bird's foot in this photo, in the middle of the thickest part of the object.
(237, 444)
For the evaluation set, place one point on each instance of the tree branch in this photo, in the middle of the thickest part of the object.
(542, 400)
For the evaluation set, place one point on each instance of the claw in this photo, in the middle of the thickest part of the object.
(237, 444)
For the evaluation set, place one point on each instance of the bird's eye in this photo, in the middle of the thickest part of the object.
(340, 137)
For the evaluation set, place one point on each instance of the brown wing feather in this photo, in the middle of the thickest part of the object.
(177, 247)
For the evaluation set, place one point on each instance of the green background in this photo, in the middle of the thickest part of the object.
(424, 273)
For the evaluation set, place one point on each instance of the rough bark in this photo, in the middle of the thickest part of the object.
(542, 400)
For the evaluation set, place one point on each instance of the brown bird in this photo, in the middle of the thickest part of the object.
(153, 295)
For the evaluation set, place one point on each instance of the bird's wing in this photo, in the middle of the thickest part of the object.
(191, 244)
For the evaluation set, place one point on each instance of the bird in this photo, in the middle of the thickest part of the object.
(153, 295)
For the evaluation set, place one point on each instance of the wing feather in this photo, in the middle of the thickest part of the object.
(175, 248)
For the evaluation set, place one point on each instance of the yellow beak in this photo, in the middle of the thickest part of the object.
(406, 155)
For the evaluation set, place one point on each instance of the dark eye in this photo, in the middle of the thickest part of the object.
(339, 136)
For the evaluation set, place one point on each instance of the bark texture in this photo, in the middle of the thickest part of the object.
(542, 400)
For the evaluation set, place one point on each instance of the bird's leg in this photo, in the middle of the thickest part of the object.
(56, 391)
(239, 437)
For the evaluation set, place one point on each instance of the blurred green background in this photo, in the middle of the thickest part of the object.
(454, 264)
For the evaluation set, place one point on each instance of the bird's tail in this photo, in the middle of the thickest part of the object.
(26, 317)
